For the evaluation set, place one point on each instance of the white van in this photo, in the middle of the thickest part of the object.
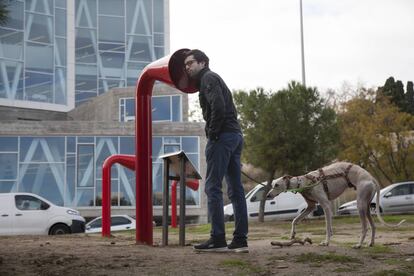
(284, 206)
(30, 214)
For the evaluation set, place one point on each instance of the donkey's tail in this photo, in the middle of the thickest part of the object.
(377, 209)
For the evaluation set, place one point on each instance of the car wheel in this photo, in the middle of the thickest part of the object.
(318, 212)
(59, 229)
(374, 210)
(228, 218)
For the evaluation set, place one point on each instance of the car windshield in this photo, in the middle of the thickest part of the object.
(254, 190)
(258, 195)
(96, 224)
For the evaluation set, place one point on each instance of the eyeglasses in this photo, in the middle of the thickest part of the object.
(191, 61)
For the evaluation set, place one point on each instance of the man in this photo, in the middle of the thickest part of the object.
(223, 151)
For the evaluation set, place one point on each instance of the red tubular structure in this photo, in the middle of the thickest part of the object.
(192, 184)
(169, 70)
(125, 160)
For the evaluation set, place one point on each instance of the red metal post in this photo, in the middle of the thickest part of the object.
(169, 70)
(174, 204)
(192, 184)
(125, 160)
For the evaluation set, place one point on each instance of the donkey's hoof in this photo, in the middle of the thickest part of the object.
(357, 246)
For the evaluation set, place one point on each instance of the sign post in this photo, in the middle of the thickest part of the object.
(181, 166)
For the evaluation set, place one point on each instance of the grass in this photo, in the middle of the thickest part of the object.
(278, 258)
(245, 266)
(391, 272)
(407, 266)
(330, 258)
(393, 261)
(345, 244)
(388, 218)
(318, 232)
(344, 269)
(398, 218)
(378, 249)
(280, 230)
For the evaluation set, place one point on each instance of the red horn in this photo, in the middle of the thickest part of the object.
(170, 70)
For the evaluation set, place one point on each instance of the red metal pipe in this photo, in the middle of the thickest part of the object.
(174, 204)
(192, 184)
(169, 70)
(125, 160)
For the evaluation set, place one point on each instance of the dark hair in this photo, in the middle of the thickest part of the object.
(198, 55)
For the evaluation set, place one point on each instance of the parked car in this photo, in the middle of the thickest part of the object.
(284, 206)
(395, 198)
(118, 223)
(30, 214)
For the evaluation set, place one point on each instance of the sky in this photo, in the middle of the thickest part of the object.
(257, 43)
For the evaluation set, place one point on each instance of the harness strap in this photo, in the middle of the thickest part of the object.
(287, 180)
(311, 178)
(324, 182)
(350, 185)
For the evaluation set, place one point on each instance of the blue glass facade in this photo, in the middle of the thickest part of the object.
(33, 52)
(67, 170)
(62, 53)
(115, 40)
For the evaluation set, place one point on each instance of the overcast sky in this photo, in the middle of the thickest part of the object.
(257, 43)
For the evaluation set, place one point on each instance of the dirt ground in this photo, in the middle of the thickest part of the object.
(84, 254)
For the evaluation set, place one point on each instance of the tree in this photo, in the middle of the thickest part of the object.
(378, 136)
(290, 131)
(4, 12)
(394, 90)
(409, 98)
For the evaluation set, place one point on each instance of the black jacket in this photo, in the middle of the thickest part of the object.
(217, 104)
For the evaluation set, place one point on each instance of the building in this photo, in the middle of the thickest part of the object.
(67, 88)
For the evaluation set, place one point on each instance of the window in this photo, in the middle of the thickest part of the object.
(401, 190)
(85, 165)
(96, 224)
(164, 109)
(67, 170)
(119, 221)
(33, 57)
(258, 195)
(26, 202)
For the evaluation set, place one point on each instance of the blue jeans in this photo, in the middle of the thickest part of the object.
(223, 160)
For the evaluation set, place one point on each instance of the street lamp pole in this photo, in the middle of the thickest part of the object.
(302, 46)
